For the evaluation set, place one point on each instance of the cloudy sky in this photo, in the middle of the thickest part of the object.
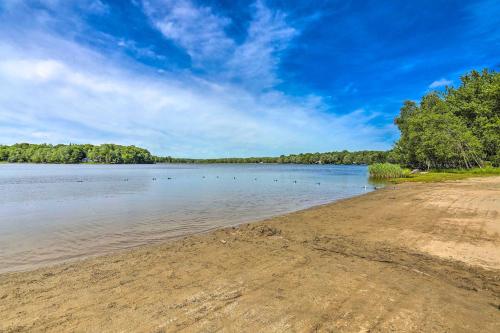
(231, 78)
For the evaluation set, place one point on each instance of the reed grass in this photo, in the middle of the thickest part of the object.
(387, 171)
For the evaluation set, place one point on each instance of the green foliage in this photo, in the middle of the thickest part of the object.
(459, 128)
(448, 175)
(44, 153)
(386, 171)
(477, 103)
(342, 157)
(116, 154)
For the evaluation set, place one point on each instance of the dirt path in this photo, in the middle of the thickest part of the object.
(415, 258)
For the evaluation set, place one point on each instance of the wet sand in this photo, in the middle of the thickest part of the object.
(414, 258)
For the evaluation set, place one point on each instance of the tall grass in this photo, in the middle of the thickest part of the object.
(394, 173)
(386, 171)
(486, 170)
(450, 174)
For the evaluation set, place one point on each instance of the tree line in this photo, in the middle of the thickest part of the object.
(74, 153)
(456, 128)
(117, 154)
(340, 157)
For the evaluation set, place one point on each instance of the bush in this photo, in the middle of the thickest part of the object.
(386, 171)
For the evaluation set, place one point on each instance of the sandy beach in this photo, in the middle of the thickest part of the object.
(408, 258)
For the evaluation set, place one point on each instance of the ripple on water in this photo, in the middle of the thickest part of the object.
(55, 213)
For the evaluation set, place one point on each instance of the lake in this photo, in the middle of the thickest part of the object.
(53, 213)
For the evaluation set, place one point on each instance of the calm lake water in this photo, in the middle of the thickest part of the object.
(53, 213)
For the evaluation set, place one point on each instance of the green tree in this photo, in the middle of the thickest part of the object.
(477, 102)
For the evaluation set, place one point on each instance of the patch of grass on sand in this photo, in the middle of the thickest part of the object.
(449, 174)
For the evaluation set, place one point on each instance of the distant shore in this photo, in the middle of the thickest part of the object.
(411, 257)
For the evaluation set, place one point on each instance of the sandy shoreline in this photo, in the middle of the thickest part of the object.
(420, 257)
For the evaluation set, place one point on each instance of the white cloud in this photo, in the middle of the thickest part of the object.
(196, 29)
(256, 60)
(202, 34)
(42, 70)
(179, 116)
(53, 89)
(440, 83)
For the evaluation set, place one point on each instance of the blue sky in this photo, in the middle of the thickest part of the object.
(231, 78)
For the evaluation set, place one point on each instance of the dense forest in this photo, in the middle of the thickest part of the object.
(72, 153)
(341, 157)
(457, 128)
(116, 154)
